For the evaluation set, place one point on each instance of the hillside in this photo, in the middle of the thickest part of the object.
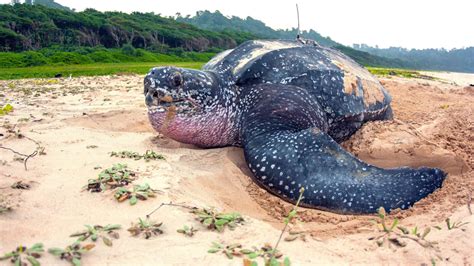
(216, 21)
(460, 60)
(47, 24)
(25, 27)
(52, 4)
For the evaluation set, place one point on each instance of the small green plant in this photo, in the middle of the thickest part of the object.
(139, 192)
(146, 228)
(214, 220)
(147, 156)
(23, 254)
(116, 176)
(187, 231)
(454, 224)
(72, 253)
(236, 250)
(229, 250)
(271, 256)
(6, 109)
(383, 221)
(97, 231)
(396, 237)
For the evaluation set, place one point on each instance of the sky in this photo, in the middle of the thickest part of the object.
(406, 23)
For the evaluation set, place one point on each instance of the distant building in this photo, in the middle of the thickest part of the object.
(15, 2)
(29, 2)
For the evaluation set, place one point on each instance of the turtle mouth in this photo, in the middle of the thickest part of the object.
(159, 101)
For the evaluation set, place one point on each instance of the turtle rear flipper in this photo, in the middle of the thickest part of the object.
(285, 154)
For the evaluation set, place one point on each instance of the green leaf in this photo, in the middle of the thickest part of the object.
(207, 221)
(403, 229)
(38, 247)
(33, 261)
(252, 255)
(395, 222)
(7, 256)
(229, 254)
(217, 245)
(212, 250)
(221, 222)
(133, 200)
(425, 233)
(292, 214)
(254, 263)
(381, 213)
(286, 261)
(274, 262)
(246, 251)
(219, 228)
(110, 227)
(56, 251)
(7, 108)
(76, 262)
(107, 241)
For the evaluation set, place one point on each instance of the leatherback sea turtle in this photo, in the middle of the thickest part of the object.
(288, 104)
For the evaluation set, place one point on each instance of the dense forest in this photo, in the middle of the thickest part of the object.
(461, 60)
(26, 27)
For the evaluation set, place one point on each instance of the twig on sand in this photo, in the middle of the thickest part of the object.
(469, 199)
(291, 215)
(26, 157)
(170, 204)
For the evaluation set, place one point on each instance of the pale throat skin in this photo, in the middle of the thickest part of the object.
(193, 107)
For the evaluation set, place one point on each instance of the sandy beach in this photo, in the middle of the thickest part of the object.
(80, 121)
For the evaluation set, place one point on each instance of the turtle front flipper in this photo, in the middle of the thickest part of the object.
(287, 147)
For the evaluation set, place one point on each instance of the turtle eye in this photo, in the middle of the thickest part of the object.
(177, 79)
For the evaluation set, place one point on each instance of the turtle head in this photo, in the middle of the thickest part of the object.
(185, 104)
(184, 91)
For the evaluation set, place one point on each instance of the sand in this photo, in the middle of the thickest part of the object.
(433, 126)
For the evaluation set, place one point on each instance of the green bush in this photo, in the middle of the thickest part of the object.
(103, 57)
(11, 59)
(70, 58)
(128, 49)
(32, 58)
(62, 56)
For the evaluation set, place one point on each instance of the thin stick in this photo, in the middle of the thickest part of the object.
(286, 223)
(469, 199)
(27, 157)
(170, 204)
(15, 152)
(298, 17)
